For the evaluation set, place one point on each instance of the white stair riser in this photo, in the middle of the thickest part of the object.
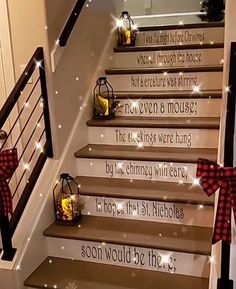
(181, 36)
(170, 107)
(169, 58)
(154, 211)
(154, 137)
(140, 170)
(130, 256)
(166, 81)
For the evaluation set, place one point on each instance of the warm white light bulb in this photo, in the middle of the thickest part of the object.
(134, 213)
(26, 166)
(38, 64)
(196, 88)
(196, 182)
(119, 206)
(134, 135)
(212, 259)
(165, 259)
(134, 104)
(120, 165)
(38, 145)
(119, 22)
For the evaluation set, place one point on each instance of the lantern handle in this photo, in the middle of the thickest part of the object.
(64, 175)
(68, 184)
(112, 91)
(62, 184)
(94, 90)
(126, 13)
(101, 80)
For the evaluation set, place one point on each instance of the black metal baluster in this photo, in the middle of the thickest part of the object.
(224, 282)
(43, 83)
(8, 226)
(8, 250)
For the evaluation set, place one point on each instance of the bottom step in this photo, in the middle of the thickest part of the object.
(70, 274)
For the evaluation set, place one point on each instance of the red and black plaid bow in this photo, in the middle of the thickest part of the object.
(8, 164)
(212, 177)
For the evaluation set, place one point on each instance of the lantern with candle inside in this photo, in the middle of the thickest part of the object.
(66, 200)
(126, 30)
(105, 105)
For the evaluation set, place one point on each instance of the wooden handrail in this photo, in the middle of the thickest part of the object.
(71, 23)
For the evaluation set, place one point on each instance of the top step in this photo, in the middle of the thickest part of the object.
(198, 33)
(182, 26)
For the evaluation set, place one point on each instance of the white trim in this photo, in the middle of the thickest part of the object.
(6, 47)
(56, 55)
(168, 15)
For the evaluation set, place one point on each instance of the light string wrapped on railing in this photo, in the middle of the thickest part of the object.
(213, 177)
(8, 164)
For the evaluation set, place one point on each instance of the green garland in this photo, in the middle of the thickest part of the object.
(214, 10)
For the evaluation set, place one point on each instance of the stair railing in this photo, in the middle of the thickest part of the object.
(62, 40)
(224, 282)
(71, 21)
(25, 119)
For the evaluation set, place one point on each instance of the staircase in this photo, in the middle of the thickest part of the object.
(146, 223)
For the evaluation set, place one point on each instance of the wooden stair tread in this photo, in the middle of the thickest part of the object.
(146, 153)
(168, 47)
(61, 272)
(151, 70)
(173, 237)
(209, 94)
(158, 122)
(181, 27)
(144, 190)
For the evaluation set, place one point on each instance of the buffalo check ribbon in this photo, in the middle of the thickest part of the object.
(8, 165)
(214, 177)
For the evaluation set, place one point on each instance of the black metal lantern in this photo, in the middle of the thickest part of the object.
(66, 201)
(105, 104)
(126, 30)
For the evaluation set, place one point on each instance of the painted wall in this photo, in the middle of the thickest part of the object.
(42, 27)
(137, 7)
(74, 75)
(35, 30)
(27, 24)
(85, 57)
(42, 23)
